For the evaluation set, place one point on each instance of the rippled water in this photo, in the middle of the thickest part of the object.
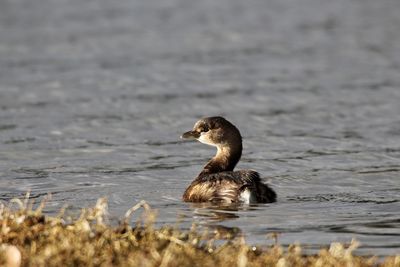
(95, 94)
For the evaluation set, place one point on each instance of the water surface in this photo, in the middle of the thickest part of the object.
(95, 94)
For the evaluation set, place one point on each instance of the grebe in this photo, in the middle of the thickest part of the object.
(217, 182)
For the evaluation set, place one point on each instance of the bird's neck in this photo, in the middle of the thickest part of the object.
(225, 160)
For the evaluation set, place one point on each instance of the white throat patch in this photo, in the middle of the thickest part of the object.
(205, 140)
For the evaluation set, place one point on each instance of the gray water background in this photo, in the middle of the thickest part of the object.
(94, 95)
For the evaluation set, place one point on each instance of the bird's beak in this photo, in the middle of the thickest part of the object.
(190, 135)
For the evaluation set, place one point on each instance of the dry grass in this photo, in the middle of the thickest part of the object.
(89, 241)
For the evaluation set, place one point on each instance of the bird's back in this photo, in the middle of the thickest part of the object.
(229, 187)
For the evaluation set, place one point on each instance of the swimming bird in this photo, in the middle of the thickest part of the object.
(218, 182)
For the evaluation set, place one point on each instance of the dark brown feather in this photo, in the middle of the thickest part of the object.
(227, 187)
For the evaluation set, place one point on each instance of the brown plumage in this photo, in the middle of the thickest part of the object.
(217, 182)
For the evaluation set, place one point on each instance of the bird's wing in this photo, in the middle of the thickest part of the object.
(220, 187)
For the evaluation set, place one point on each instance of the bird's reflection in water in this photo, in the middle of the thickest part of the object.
(210, 215)
(218, 212)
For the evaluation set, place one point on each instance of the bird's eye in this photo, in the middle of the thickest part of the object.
(203, 130)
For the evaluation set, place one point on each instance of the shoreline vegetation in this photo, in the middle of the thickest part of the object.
(30, 238)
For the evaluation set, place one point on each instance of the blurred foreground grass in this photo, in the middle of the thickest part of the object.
(29, 238)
